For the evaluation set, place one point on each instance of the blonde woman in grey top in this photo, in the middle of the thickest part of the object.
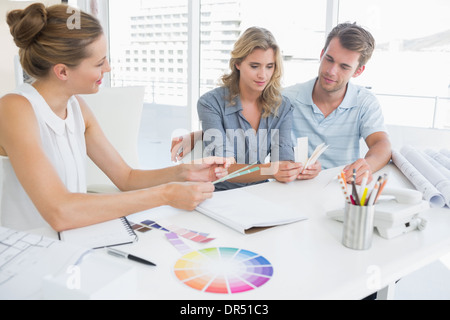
(247, 118)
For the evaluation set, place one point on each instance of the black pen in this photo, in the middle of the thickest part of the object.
(121, 254)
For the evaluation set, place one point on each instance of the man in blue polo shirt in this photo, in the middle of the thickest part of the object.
(330, 109)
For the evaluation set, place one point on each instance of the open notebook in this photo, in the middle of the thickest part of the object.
(105, 234)
(244, 211)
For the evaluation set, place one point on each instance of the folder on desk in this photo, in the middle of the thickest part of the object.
(245, 211)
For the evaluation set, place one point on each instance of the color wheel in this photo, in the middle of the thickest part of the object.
(223, 270)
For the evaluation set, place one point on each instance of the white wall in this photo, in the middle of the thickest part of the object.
(9, 49)
(421, 138)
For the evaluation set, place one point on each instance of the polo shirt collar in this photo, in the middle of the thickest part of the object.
(350, 99)
(305, 96)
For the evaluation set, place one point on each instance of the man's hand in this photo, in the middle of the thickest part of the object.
(361, 166)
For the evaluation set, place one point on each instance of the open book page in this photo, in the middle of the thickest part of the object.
(242, 210)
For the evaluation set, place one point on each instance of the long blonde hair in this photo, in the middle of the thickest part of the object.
(256, 38)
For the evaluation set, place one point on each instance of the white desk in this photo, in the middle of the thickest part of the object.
(308, 258)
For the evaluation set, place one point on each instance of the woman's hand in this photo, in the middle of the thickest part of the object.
(208, 169)
(311, 172)
(287, 171)
(187, 195)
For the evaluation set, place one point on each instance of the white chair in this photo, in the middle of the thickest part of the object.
(119, 111)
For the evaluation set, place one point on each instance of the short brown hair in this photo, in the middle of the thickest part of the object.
(355, 38)
(45, 39)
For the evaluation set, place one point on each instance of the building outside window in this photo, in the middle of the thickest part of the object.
(409, 71)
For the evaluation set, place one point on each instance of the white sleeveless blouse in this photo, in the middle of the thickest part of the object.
(64, 144)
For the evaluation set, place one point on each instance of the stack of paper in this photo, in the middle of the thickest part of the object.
(243, 210)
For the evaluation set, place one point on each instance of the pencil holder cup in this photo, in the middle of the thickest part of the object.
(358, 226)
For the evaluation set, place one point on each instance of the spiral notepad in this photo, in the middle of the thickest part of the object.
(104, 234)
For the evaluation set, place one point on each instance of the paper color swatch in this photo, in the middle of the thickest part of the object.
(223, 270)
(146, 226)
(190, 235)
(178, 243)
(195, 236)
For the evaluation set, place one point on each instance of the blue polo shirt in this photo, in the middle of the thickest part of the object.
(226, 132)
(358, 116)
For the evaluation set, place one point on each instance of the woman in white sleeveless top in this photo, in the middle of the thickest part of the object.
(46, 133)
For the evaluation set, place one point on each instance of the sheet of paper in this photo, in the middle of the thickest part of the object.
(301, 150)
(316, 154)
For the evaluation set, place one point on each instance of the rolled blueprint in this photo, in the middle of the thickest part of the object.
(436, 164)
(432, 174)
(430, 193)
(439, 157)
(445, 152)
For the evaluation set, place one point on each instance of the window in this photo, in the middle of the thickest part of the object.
(298, 26)
(159, 41)
(410, 69)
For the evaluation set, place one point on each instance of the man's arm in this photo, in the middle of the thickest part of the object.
(377, 157)
(379, 152)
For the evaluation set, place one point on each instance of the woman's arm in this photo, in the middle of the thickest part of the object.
(106, 157)
(20, 141)
(183, 145)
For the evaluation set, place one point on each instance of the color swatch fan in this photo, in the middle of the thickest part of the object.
(223, 270)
